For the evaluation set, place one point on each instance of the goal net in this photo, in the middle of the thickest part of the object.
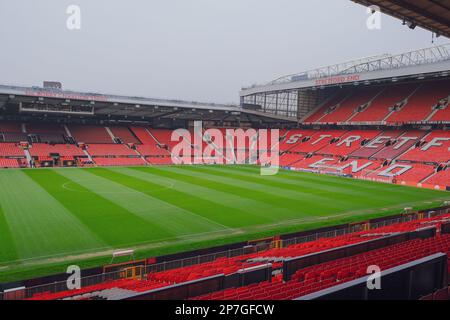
(329, 170)
(373, 175)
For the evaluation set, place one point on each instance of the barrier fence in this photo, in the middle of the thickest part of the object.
(259, 247)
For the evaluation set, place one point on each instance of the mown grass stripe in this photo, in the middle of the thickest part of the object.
(282, 203)
(165, 218)
(8, 250)
(41, 225)
(358, 184)
(110, 222)
(340, 190)
(215, 191)
(315, 196)
(225, 215)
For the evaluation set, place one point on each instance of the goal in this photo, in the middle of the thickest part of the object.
(330, 170)
(368, 174)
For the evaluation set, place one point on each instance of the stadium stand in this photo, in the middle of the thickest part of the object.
(418, 173)
(124, 134)
(377, 144)
(90, 134)
(293, 137)
(319, 277)
(441, 178)
(359, 167)
(11, 150)
(68, 151)
(151, 150)
(143, 135)
(410, 156)
(443, 113)
(289, 159)
(12, 163)
(401, 103)
(13, 137)
(163, 137)
(119, 161)
(400, 145)
(319, 140)
(37, 128)
(10, 127)
(378, 110)
(433, 148)
(329, 106)
(149, 146)
(349, 108)
(315, 161)
(102, 150)
(159, 160)
(349, 142)
(420, 105)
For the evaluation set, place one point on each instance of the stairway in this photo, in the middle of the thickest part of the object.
(28, 156)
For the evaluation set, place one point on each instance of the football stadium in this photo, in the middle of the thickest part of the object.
(314, 187)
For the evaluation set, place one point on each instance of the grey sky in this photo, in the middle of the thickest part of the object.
(201, 50)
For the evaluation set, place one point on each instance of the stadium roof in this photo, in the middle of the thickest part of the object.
(39, 102)
(430, 62)
(433, 15)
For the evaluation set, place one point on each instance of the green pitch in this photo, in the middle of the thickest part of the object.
(49, 217)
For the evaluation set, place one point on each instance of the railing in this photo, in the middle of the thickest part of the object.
(175, 264)
(375, 63)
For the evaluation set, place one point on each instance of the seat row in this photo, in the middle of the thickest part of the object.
(319, 277)
(401, 103)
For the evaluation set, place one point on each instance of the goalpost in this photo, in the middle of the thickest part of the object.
(364, 174)
(132, 269)
(370, 174)
(330, 170)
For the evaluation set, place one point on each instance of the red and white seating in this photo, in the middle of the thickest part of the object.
(43, 150)
(102, 150)
(349, 142)
(11, 150)
(289, 159)
(124, 134)
(319, 140)
(400, 145)
(378, 110)
(420, 104)
(315, 162)
(119, 161)
(163, 136)
(329, 106)
(143, 135)
(359, 167)
(90, 134)
(12, 163)
(434, 148)
(442, 115)
(318, 277)
(159, 160)
(442, 178)
(377, 144)
(294, 137)
(404, 172)
(348, 108)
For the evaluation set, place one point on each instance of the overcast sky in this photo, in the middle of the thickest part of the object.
(203, 50)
